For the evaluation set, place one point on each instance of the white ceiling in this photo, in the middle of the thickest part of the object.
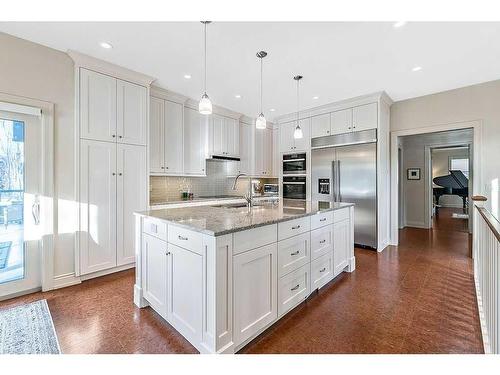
(338, 60)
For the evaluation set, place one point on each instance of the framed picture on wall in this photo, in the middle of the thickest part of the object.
(413, 174)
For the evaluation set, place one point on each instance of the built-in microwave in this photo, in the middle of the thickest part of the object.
(294, 164)
(294, 187)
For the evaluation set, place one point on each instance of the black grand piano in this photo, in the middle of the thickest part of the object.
(456, 183)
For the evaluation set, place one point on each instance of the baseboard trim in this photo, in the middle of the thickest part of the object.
(482, 319)
(107, 272)
(65, 280)
(416, 224)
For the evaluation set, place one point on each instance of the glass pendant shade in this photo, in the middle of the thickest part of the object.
(260, 122)
(205, 105)
(297, 134)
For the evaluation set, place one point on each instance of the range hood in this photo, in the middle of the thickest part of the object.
(223, 158)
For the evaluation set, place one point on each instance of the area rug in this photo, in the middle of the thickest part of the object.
(459, 216)
(28, 329)
(4, 253)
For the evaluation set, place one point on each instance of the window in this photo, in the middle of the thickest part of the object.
(461, 164)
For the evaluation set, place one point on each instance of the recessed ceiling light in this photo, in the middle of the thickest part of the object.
(399, 24)
(187, 76)
(416, 69)
(237, 96)
(272, 110)
(105, 45)
(315, 97)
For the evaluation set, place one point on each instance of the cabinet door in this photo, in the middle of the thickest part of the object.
(259, 151)
(131, 115)
(364, 117)
(320, 126)
(155, 269)
(246, 149)
(232, 137)
(156, 125)
(97, 234)
(276, 153)
(186, 292)
(268, 152)
(131, 197)
(340, 245)
(304, 143)
(286, 130)
(218, 135)
(255, 288)
(341, 121)
(97, 106)
(173, 138)
(195, 142)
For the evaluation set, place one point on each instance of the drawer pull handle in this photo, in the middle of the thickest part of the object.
(167, 253)
(182, 238)
(295, 287)
(322, 241)
(295, 253)
(296, 227)
(323, 269)
(324, 219)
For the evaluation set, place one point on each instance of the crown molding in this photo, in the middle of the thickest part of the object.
(162, 93)
(101, 66)
(380, 96)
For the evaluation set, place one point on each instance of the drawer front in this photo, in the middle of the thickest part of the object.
(185, 238)
(321, 241)
(293, 253)
(321, 271)
(291, 228)
(339, 215)
(155, 228)
(321, 219)
(254, 238)
(293, 289)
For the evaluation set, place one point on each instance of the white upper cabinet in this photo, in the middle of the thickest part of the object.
(173, 138)
(365, 117)
(130, 197)
(320, 125)
(341, 121)
(195, 142)
(97, 106)
(131, 101)
(263, 159)
(112, 110)
(246, 149)
(287, 141)
(224, 136)
(156, 130)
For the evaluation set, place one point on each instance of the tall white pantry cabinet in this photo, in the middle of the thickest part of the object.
(111, 164)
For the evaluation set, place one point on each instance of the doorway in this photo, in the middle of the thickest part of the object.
(20, 194)
(451, 171)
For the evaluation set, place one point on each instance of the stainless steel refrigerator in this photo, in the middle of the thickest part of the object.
(344, 169)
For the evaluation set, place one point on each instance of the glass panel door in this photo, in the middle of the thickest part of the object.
(20, 165)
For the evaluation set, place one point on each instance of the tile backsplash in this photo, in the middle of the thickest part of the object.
(217, 182)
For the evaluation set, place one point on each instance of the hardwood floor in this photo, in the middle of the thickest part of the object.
(415, 298)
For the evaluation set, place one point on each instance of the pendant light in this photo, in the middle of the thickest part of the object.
(297, 134)
(205, 105)
(260, 122)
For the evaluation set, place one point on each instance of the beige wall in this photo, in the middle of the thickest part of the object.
(478, 102)
(31, 70)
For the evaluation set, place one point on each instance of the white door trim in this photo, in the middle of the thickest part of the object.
(476, 125)
(47, 183)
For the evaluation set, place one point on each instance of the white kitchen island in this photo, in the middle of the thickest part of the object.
(222, 275)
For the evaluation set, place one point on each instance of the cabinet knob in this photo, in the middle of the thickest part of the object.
(113, 174)
(120, 136)
(113, 135)
(162, 167)
(167, 253)
(120, 174)
(166, 167)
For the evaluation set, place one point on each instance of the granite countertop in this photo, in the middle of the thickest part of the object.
(217, 220)
(214, 198)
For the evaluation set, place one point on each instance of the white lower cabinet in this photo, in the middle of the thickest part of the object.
(321, 271)
(321, 241)
(341, 245)
(156, 273)
(186, 292)
(255, 291)
(293, 253)
(293, 289)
